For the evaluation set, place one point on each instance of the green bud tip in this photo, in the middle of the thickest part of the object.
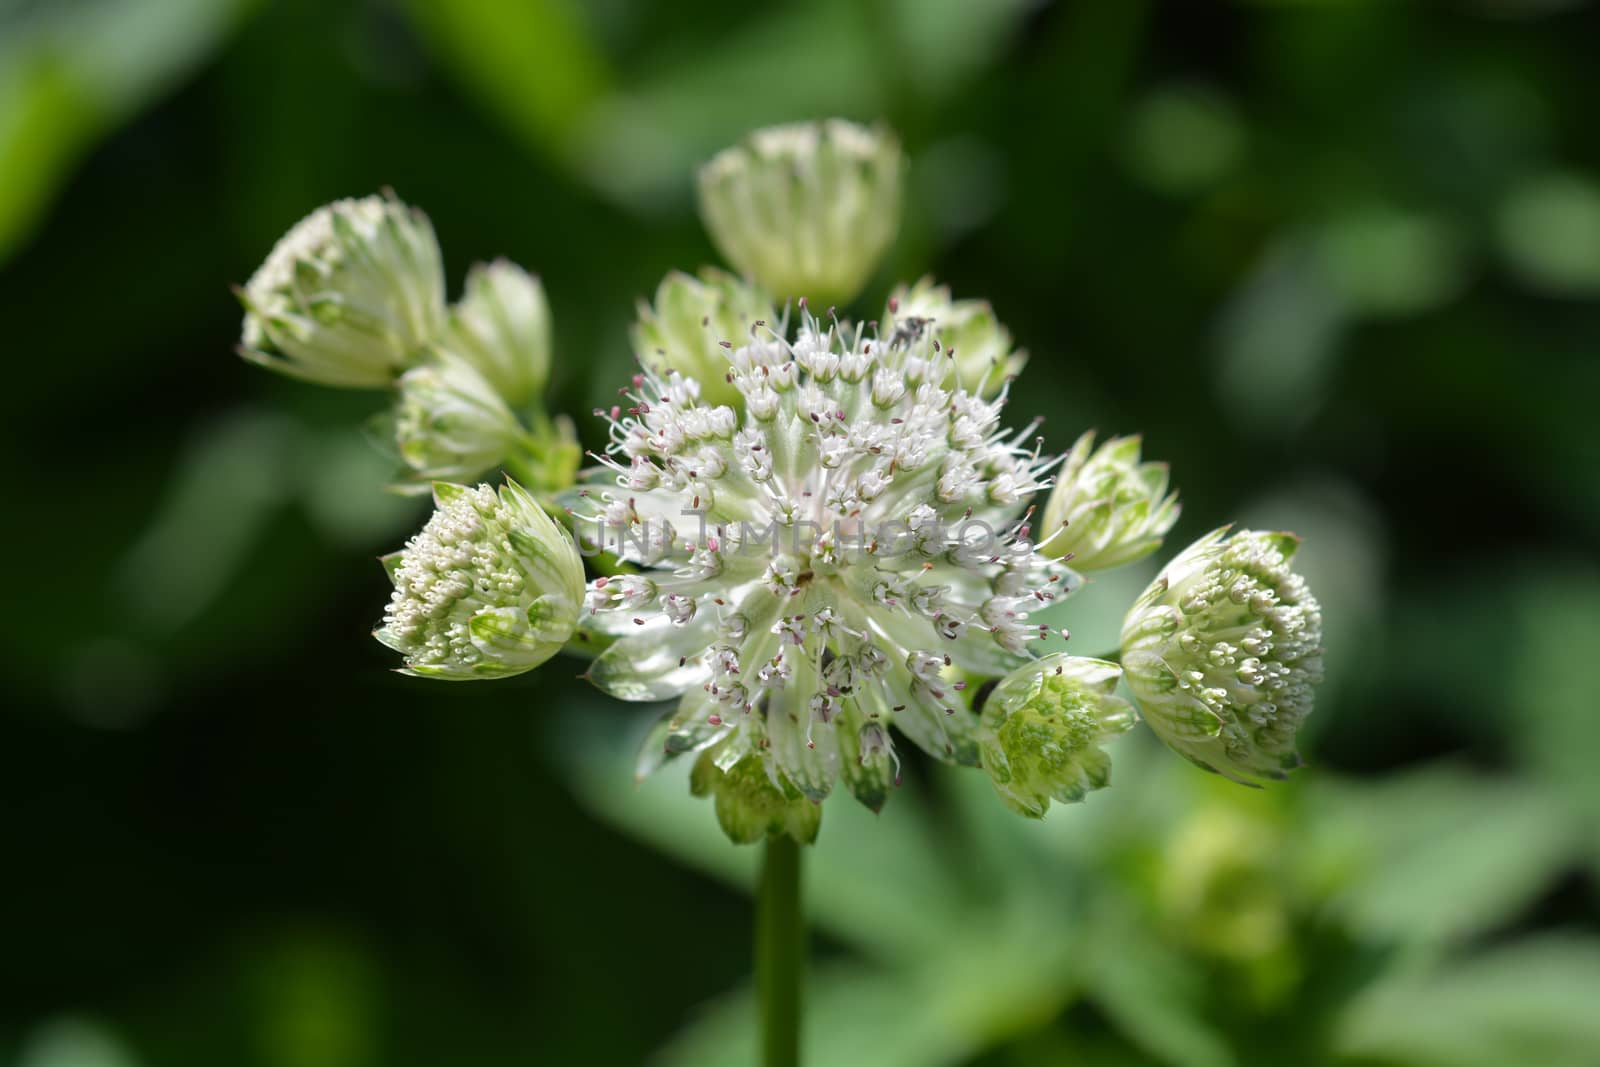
(1043, 726)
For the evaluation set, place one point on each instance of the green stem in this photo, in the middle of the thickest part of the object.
(780, 952)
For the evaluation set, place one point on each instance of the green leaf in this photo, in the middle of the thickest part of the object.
(69, 73)
(1531, 1002)
(534, 63)
(1445, 854)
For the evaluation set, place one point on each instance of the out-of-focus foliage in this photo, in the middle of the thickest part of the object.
(1338, 262)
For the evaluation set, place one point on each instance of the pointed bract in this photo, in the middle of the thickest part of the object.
(501, 325)
(1107, 508)
(685, 329)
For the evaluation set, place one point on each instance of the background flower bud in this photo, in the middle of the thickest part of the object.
(750, 805)
(967, 330)
(1222, 651)
(501, 325)
(450, 424)
(1107, 508)
(491, 587)
(349, 297)
(1043, 726)
(806, 209)
(689, 320)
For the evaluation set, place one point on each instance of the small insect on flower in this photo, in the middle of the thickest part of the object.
(491, 587)
(351, 296)
(1222, 651)
(807, 209)
(977, 344)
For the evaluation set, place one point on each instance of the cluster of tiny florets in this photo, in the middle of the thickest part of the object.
(1223, 651)
(489, 587)
(825, 561)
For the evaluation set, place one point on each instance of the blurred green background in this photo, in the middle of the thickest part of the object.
(1340, 262)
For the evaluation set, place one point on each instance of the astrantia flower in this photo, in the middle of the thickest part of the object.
(977, 343)
(681, 332)
(491, 587)
(351, 296)
(1043, 725)
(1222, 652)
(820, 566)
(1107, 508)
(501, 325)
(808, 209)
(450, 423)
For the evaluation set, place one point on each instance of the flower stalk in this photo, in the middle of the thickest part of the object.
(780, 951)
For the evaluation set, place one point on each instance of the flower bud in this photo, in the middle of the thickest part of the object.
(969, 334)
(806, 209)
(1043, 726)
(501, 325)
(450, 423)
(1222, 652)
(684, 330)
(349, 297)
(750, 804)
(491, 587)
(1107, 508)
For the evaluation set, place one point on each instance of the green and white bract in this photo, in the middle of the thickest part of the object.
(1222, 651)
(501, 325)
(491, 587)
(806, 209)
(351, 296)
(1107, 508)
(450, 423)
(824, 564)
(680, 331)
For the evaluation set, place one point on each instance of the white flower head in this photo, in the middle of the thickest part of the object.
(821, 565)
(978, 346)
(501, 325)
(1222, 652)
(351, 296)
(491, 587)
(806, 209)
(1107, 508)
(450, 423)
(689, 320)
